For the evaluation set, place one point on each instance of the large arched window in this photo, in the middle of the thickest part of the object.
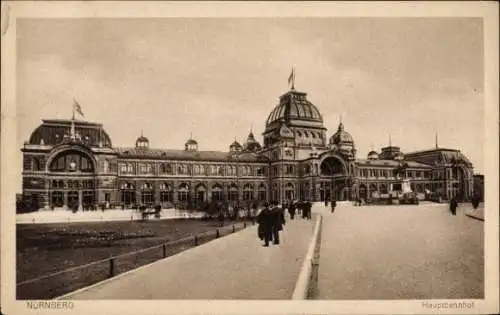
(147, 193)
(183, 192)
(233, 192)
(166, 193)
(72, 161)
(127, 194)
(262, 193)
(247, 192)
(217, 193)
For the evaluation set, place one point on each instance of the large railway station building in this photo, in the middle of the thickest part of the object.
(73, 163)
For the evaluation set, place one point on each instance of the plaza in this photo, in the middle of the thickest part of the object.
(366, 253)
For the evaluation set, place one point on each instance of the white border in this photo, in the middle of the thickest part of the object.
(9, 151)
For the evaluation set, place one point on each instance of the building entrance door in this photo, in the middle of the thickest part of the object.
(72, 200)
(88, 199)
(57, 199)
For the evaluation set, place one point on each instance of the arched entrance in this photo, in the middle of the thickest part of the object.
(72, 179)
(201, 193)
(334, 175)
(217, 194)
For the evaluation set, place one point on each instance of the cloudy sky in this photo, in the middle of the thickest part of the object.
(214, 77)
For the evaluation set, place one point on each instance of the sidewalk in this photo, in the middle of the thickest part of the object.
(232, 267)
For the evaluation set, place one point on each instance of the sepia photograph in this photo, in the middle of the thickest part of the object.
(249, 160)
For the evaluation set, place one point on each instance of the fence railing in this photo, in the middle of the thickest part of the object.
(61, 282)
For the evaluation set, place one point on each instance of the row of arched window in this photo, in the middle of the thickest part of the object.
(363, 172)
(196, 169)
(307, 134)
(185, 186)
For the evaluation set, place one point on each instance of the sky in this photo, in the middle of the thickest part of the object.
(219, 77)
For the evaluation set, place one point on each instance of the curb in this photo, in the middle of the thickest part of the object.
(303, 281)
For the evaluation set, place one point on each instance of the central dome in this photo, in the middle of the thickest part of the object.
(294, 106)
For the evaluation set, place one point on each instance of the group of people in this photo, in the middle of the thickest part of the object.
(272, 219)
(475, 200)
(299, 207)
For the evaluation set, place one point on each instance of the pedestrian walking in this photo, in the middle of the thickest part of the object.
(475, 202)
(453, 206)
(326, 202)
(309, 210)
(334, 204)
(291, 210)
(278, 222)
(304, 210)
(265, 219)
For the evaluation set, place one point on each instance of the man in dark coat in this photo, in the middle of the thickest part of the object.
(278, 222)
(334, 204)
(299, 207)
(265, 220)
(453, 206)
(291, 210)
(304, 209)
(475, 202)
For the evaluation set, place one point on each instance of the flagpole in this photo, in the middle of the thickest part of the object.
(73, 117)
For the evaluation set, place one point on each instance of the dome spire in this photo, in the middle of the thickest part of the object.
(390, 140)
(291, 78)
(436, 140)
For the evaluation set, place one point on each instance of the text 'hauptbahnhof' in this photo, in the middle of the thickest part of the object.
(72, 163)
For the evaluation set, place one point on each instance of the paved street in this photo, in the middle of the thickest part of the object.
(232, 267)
(400, 252)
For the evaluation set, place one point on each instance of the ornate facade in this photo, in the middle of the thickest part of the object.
(72, 163)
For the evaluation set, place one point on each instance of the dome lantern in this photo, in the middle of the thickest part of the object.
(191, 144)
(142, 142)
(235, 146)
(373, 155)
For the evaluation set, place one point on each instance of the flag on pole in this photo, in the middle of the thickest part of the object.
(77, 108)
(291, 78)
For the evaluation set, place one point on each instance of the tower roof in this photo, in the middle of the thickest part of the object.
(294, 106)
